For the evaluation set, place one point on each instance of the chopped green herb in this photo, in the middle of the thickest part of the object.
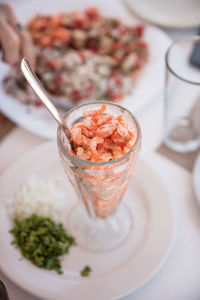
(42, 241)
(86, 271)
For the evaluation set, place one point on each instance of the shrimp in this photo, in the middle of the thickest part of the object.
(82, 153)
(131, 131)
(100, 137)
(78, 138)
(106, 143)
(89, 124)
(118, 139)
(117, 154)
(92, 113)
(85, 141)
(104, 119)
(93, 145)
(84, 129)
(95, 119)
(113, 121)
(88, 133)
(120, 118)
(76, 135)
(114, 148)
(106, 130)
(121, 136)
(129, 145)
(78, 125)
(123, 130)
(109, 145)
(104, 154)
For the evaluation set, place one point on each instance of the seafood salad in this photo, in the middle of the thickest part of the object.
(101, 136)
(106, 140)
(82, 56)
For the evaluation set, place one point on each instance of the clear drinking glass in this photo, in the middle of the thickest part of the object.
(182, 97)
(98, 220)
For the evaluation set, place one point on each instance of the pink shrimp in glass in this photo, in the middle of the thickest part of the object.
(78, 138)
(106, 130)
(113, 121)
(104, 119)
(95, 119)
(76, 135)
(122, 135)
(93, 145)
(104, 154)
(88, 133)
(114, 148)
(92, 113)
(118, 139)
(122, 130)
(105, 136)
(89, 124)
(83, 153)
(84, 130)
(109, 145)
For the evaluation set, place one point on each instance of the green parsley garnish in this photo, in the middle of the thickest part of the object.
(42, 241)
(86, 271)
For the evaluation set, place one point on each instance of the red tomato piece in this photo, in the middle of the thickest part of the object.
(139, 30)
(115, 96)
(92, 13)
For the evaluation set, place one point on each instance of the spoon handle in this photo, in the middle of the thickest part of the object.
(41, 92)
(3, 292)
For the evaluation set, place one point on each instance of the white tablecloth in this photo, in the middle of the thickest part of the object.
(179, 278)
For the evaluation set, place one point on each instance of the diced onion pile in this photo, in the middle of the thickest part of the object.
(37, 196)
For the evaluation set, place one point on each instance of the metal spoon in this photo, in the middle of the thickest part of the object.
(43, 95)
(3, 292)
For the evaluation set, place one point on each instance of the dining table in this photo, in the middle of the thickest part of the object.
(179, 277)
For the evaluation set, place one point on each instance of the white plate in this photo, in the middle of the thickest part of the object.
(196, 178)
(170, 13)
(115, 273)
(39, 121)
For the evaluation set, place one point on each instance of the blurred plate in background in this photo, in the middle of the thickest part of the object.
(171, 13)
(196, 178)
(150, 82)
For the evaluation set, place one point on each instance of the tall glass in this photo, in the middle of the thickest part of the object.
(99, 221)
(182, 96)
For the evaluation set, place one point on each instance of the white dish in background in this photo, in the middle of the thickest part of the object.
(196, 178)
(151, 80)
(171, 13)
(115, 273)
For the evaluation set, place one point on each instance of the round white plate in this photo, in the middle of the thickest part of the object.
(170, 13)
(38, 120)
(196, 178)
(115, 273)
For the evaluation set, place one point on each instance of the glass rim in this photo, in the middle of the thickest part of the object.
(175, 42)
(99, 163)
